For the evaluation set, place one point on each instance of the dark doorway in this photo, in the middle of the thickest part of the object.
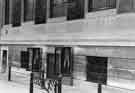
(97, 69)
(4, 60)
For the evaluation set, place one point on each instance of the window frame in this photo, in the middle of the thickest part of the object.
(6, 13)
(99, 9)
(54, 19)
(33, 12)
(21, 15)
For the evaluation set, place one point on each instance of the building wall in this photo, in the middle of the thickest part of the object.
(121, 59)
(120, 69)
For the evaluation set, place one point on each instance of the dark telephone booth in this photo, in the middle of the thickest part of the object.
(24, 59)
(97, 69)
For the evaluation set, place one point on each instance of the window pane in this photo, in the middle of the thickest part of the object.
(28, 10)
(75, 9)
(52, 66)
(97, 69)
(24, 59)
(40, 11)
(4, 60)
(57, 8)
(16, 12)
(125, 6)
(7, 13)
(95, 5)
(35, 59)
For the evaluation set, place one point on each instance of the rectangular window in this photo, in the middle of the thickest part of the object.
(7, 11)
(24, 59)
(96, 5)
(57, 8)
(40, 11)
(125, 6)
(4, 60)
(16, 12)
(52, 65)
(76, 9)
(97, 69)
(35, 59)
(28, 10)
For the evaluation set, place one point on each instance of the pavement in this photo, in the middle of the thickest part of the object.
(20, 84)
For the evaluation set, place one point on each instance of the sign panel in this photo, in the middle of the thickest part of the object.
(97, 69)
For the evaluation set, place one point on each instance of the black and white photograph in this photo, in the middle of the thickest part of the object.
(67, 46)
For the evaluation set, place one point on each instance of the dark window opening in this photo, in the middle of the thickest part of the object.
(97, 69)
(57, 8)
(16, 12)
(4, 60)
(40, 11)
(96, 5)
(28, 10)
(7, 11)
(52, 65)
(76, 9)
(35, 59)
(125, 6)
(24, 59)
(67, 61)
